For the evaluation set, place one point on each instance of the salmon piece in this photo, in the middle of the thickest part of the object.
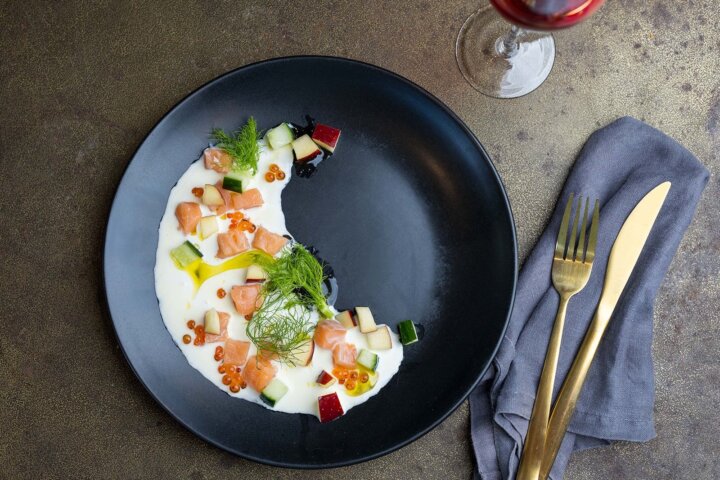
(328, 333)
(236, 352)
(217, 159)
(224, 320)
(188, 215)
(258, 372)
(344, 355)
(246, 298)
(248, 199)
(231, 243)
(267, 241)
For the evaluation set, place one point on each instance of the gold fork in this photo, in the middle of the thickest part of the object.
(571, 269)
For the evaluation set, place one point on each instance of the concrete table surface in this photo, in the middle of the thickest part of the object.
(81, 85)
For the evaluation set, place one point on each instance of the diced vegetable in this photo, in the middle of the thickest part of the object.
(346, 318)
(365, 319)
(212, 322)
(329, 407)
(305, 149)
(368, 359)
(212, 197)
(233, 183)
(185, 254)
(275, 390)
(325, 379)
(207, 227)
(380, 339)
(407, 331)
(255, 274)
(279, 136)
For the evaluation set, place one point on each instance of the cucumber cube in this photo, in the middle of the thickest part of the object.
(408, 332)
(279, 136)
(368, 359)
(233, 183)
(184, 255)
(274, 392)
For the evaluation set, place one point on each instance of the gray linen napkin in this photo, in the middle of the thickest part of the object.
(619, 164)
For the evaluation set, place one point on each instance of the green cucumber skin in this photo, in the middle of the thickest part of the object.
(364, 354)
(267, 400)
(194, 249)
(407, 331)
(274, 392)
(232, 184)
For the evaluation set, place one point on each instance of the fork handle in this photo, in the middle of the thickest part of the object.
(570, 390)
(532, 455)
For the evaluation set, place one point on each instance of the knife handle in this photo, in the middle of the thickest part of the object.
(570, 390)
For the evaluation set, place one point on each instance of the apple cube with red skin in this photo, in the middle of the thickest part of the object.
(329, 407)
(347, 319)
(325, 379)
(303, 353)
(326, 136)
(305, 149)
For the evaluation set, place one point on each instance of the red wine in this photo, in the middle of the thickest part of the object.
(546, 14)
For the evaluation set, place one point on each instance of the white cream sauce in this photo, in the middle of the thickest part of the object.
(178, 304)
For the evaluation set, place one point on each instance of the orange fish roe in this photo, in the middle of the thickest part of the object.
(280, 175)
(350, 385)
(186, 339)
(270, 177)
(219, 353)
(246, 225)
(199, 335)
(274, 168)
(221, 293)
(232, 378)
(191, 324)
(364, 377)
(198, 192)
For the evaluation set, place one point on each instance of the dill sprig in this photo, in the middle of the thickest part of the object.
(300, 275)
(280, 330)
(292, 290)
(241, 145)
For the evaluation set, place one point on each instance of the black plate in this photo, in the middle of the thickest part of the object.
(410, 213)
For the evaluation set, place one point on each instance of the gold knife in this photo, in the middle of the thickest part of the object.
(623, 257)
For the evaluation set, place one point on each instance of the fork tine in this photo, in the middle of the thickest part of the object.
(592, 239)
(573, 231)
(562, 234)
(580, 252)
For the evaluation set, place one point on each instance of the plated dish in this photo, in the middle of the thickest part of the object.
(248, 305)
(409, 212)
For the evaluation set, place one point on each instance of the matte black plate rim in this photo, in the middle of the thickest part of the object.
(442, 417)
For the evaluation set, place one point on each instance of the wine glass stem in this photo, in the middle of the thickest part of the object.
(507, 45)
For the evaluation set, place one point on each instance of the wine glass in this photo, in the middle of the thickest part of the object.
(510, 61)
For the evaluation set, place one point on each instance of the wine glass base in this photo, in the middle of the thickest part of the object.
(493, 74)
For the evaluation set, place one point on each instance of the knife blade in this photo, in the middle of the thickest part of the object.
(623, 257)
